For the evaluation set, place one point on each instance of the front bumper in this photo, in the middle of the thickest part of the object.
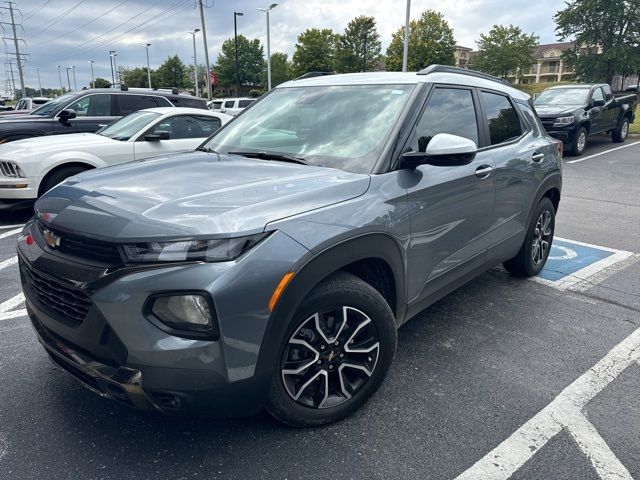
(118, 353)
(17, 188)
(565, 134)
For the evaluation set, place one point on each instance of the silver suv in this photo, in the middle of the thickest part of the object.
(272, 267)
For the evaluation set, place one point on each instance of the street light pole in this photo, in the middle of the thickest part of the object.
(60, 78)
(39, 84)
(93, 78)
(206, 49)
(405, 53)
(73, 71)
(235, 36)
(113, 76)
(267, 10)
(195, 60)
(146, 47)
(68, 79)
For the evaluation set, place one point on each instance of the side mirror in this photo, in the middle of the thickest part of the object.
(157, 136)
(67, 114)
(443, 150)
(597, 103)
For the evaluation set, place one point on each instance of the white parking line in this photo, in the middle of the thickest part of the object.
(602, 153)
(10, 233)
(8, 262)
(4, 227)
(564, 412)
(6, 307)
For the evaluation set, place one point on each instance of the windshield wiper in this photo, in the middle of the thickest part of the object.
(272, 156)
(205, 149)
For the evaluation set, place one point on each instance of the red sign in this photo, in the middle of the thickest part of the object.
(214, 78)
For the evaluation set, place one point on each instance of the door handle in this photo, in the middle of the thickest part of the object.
(102, 125)
(483, 171)
(536, 157)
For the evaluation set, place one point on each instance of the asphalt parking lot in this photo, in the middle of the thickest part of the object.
(504, 378)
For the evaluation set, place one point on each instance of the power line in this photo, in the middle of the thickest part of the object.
(58, 18)
(36, 10)
(83, 25)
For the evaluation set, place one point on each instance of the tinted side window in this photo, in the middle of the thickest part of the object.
(190, 102)
(229, 103)
(608, 94)
(245, 103)
(503, 120)
(532, 119)
(597, 94)
(162, 102)
(93, 106)
(132, 103)
(188, 126)
(449, 110)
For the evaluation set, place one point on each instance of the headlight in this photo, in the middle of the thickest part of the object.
(562, 121)
(213, 250)
(184, 312)
(11, 169)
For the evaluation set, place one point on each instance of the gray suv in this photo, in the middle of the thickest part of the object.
(272, 266)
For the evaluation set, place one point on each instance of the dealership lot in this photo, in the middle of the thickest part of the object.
(493, 381)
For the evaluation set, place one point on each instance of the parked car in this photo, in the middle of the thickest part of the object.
(30, 167)
(88, 111)
(25, 105)
(572, 113)
(231, 106)
(272, 266)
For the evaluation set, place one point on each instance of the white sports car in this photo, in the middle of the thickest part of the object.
(30, 167)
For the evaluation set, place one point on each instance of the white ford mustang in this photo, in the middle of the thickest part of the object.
(30, 167)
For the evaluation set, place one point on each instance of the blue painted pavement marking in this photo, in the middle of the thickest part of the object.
(566, 258)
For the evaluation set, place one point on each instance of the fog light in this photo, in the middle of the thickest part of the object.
(184, 312)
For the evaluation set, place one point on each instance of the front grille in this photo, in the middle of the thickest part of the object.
(10, 169)
(547, 123)
(58, 296)
(86, 248)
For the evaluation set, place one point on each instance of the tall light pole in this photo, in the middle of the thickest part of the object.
(39, 84)
(93, 78)
(73, 71)
(68, 79)
(267, 10)
(60, 78)
(235, 36)
(113, 77)
(146, 47)
(195, 59)
(405, 53)
(206, 49)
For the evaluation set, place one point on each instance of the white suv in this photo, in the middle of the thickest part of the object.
(231, 106)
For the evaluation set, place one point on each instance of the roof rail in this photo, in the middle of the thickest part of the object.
(123, 87)
(313, 74)
(173, 90)
(461, 71)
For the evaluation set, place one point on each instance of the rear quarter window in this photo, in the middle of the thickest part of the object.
(245, 103)
(501, 118)
(190, 102)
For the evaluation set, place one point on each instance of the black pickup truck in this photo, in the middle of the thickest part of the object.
(89, 110)
(572, 113)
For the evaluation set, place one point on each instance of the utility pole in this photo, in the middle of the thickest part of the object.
(68, 80)
(111, 61)
(16, 41)
(146, 47)
(13, 81)
(93, 78)
(235, 36)
(206, 49)
(195, 59)
(405, 53)
(39, 83)
(60, 78)
(73, 71)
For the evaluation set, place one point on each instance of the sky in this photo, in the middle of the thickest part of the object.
(72, 32)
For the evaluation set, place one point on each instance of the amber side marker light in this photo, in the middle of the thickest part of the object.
(284, 281)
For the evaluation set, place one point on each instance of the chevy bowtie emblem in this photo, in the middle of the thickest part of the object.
(52, 240)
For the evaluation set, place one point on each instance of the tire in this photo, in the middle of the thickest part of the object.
(58, 176)
(320, 373)
(579, 142)
(621, 133)
(525, 264)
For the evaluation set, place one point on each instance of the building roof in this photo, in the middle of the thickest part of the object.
(540, 50)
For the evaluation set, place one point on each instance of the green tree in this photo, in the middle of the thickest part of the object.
(504, 51)
(315, 52)
(137, 77)
(280, 69)
(605, 35)
(102, 82)
(358, 49)
(430, 41)
(251, 63)
(172, 73)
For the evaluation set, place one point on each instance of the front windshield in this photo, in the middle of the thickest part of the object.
(52, 105)
(342, 127)
(128, 126)
(563, 96)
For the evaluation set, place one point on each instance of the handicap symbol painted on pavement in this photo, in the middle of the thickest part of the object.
(571, 262)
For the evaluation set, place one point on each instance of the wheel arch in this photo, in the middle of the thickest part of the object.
(551, 187)
(56, 168)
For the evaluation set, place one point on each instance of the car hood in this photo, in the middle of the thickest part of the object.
(195, 194)
(555, 110)
(37, 146)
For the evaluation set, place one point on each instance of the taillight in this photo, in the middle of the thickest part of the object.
(559, 146)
